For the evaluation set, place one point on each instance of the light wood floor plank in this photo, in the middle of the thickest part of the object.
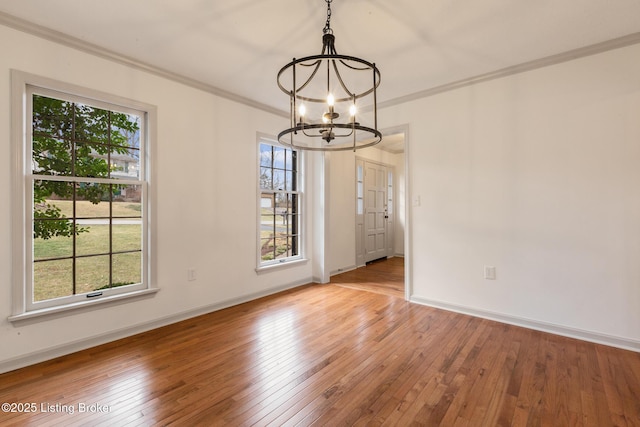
(350, 353)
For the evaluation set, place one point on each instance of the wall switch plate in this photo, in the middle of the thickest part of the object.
(489, 272)
(416, 201)
(191, 275)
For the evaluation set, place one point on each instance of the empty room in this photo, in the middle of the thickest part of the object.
(320, 212)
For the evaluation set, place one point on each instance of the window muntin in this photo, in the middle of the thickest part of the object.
(279, 210)
(86, 182)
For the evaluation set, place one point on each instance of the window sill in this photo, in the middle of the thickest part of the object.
(50, 311)
(280, 265)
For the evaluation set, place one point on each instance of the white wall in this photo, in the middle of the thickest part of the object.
(205, 161)
(537, 174)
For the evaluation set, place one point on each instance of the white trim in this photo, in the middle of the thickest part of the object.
(359, 217)
(92, 180)
(344, 270)
(82, 344)
(266, 266)
(552, 328)
(73, 90)
(290, 262)
(84, 46)
(559, 58)
(18, 212)
(92, 49)
(22, 85)
(321, 209)
(408, 216)
(50, 311)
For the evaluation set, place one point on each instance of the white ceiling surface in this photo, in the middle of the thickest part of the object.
(239, 45)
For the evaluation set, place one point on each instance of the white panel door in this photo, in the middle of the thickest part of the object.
(375, 199)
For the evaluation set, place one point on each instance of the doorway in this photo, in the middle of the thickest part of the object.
(381, 174)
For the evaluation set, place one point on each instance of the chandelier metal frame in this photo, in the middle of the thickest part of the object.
(337, 135)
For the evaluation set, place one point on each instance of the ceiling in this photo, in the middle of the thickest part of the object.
(239, 45)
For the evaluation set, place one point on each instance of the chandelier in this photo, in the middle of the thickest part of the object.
(331, 96)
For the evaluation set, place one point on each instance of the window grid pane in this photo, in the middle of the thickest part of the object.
(77, 243)
(279, 219)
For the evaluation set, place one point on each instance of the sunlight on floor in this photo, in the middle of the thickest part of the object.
(277, 346)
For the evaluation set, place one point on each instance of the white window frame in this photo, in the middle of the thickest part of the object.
(24, 85)
(291, 260)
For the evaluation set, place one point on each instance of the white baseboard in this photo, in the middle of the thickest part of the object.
(72, 347)
(343, 270)
(595, 337)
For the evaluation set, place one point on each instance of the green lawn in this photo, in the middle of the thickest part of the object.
(90, 210)
(267, 236)
(53, 278)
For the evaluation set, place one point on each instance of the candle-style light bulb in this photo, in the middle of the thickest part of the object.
(330, 100)
(353, 110)
(302, 110)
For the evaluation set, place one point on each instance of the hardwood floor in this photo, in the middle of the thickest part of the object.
(384, 277)
(333, 355)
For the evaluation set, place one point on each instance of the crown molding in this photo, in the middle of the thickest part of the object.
(90, 48)
(582, 52)
(84, 46)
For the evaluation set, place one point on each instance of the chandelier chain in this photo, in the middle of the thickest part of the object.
(327, 27)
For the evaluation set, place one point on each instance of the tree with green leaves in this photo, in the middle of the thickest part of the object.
(74, 140)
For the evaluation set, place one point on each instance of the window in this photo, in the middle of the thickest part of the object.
(279, 210)
(84, 188)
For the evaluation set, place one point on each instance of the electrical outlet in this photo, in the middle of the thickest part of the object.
(489, 272)
(191, 275)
